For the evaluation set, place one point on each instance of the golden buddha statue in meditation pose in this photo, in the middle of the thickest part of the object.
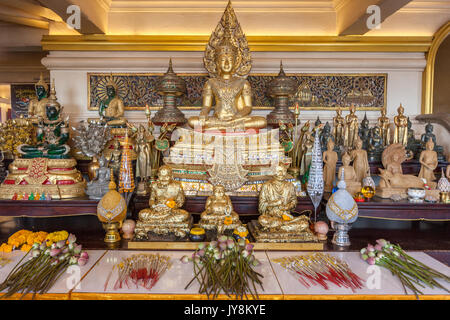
(219, 212)
(164, 215)
(276, 200)
(112, 107)
(228, 62)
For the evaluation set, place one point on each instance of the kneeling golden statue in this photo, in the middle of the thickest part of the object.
(164, 216)
(219, 214)
(276, 223)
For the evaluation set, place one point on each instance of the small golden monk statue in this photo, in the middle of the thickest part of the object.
(401, 127)
(219, 213)
(228, 62)
(429, 161)
(164, 216)
(351, 179)
(276, 200)
(384, 125)
(36, 107)
(338, 127)
(351, 128)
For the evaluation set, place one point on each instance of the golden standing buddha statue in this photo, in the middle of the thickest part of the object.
(401, 127)
(384, 125)
(228, 63)
(164, 216)
(351, 129)
(276, 200)
(338, 128)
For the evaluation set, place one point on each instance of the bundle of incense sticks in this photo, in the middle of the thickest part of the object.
(140, 270)
(318, 268)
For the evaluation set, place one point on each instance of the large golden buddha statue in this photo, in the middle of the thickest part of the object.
(228, 62)
(164, 215)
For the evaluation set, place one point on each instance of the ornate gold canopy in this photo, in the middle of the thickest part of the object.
(228, 35)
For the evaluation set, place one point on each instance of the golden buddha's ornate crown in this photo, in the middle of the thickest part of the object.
(228, 38)
(400, 109)
(42, 83)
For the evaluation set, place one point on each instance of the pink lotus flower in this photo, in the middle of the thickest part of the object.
(54, 252)
(378, 247)
(77, 249)
(60, 244)
(72, 238)
(84, 255)
(371, 261)
(82, 262)
(223, 246)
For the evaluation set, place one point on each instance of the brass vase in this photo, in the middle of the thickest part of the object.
(92, 168)
(112, 231)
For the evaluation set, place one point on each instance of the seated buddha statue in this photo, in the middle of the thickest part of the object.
(349, 175)
(112, 108)
(36, 107)
(219, 213)
(99, 186)
(164, 215)
(51, 135)
(229, 88)
(276, 200)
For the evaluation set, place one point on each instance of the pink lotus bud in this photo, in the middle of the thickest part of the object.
(363, 250)
(370, 248)
(378, 247)
(184, 259)
(223, 246)
(65, 250)
(72, 238)
(245, 253)
(371, 261)
(54, 252)
(249, 247)
(256, 263)
(217, 256)
(35, 253)
(382, 242)
(60, 244)
(43, 246)
(213, 244)
(371, 254)
(73, 260)
(84, 255)
(35, 246)
(230, 243)
(201, 253)
(82, 262)
(222, 238)
(77, 249)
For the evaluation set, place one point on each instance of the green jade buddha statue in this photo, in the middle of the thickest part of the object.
(112, 108)
(52, 134)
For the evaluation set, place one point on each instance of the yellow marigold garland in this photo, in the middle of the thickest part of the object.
(24, 239)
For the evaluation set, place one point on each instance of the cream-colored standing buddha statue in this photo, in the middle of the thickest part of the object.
(401, 127)
(227, 147)
(164, 216)
(276, 223)
(429, 162)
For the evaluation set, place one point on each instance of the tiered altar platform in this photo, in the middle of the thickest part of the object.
(278, 283)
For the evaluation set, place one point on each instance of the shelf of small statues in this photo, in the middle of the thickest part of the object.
(48, 208)
(402, 210)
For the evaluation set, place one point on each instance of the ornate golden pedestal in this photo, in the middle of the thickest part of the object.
(245, 159)
(57, 177)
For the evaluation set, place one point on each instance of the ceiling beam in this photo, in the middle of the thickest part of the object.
(94, 16)
(31, 8)
(24, 21)
(352, 16)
